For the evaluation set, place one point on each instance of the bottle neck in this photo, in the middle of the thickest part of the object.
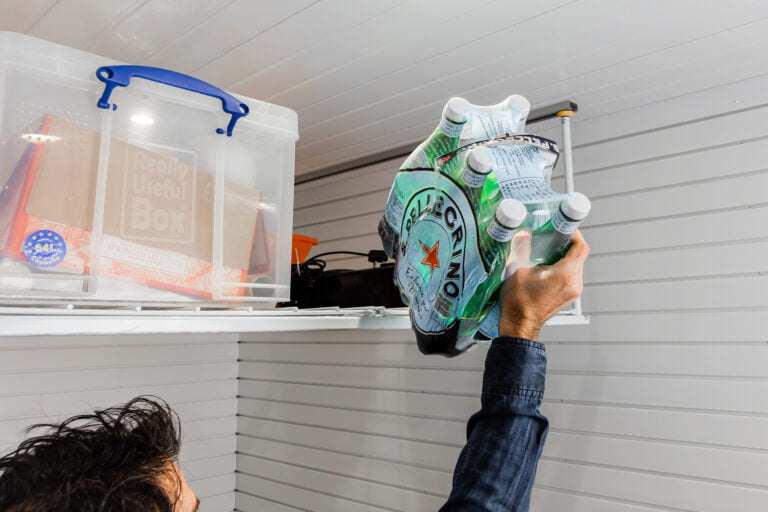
(451, 128)
(472, 178)
(499, 232)
(564, 224)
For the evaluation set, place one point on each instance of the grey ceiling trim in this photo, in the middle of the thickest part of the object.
(539, 114)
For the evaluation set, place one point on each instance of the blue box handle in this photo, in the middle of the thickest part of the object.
(120, 76)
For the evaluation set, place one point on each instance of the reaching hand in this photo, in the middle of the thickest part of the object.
(531, 296)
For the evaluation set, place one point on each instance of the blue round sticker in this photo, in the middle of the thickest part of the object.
(44, 248)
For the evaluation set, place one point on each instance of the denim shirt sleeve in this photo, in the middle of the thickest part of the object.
(496, 468)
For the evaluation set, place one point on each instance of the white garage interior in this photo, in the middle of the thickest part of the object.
(659, 403)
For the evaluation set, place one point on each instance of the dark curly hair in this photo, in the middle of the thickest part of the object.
(113, 460)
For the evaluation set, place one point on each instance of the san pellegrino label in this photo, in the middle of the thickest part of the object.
(440, 244)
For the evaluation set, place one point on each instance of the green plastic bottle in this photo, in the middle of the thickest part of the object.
(444, 139)
(494, 248)
(551, 241)
(478, 166)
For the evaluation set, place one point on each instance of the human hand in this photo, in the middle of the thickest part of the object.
(531, 296)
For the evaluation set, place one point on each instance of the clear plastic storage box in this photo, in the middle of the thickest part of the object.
(129, 184)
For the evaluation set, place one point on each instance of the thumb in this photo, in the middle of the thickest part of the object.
(519, 254)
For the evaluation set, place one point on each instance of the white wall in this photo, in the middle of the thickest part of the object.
(660, 404)
(47, 379)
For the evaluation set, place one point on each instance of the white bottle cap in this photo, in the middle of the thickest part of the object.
(511, 213)
(480, 160)
(456, 110)
(576, 206)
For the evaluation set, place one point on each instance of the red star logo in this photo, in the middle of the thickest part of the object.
(431, 256)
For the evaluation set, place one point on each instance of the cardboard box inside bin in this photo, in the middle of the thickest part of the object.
(158, 211)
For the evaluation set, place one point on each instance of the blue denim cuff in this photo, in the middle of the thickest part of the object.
(515, 366)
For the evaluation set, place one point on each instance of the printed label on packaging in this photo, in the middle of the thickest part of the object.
(486, 124)
(394, 209)
(158, 193)
(440, 244)
(520, 170)
(116, 249)
(499, 232)
(450, 128)
(44, 248)
(561, 224)
(473, 179)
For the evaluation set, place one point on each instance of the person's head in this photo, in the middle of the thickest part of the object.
(118, 459)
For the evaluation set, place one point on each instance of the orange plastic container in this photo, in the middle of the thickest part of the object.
(301, 247)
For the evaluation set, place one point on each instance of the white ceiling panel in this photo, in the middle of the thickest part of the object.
(16, 18)
(483, 83)
(299, 33)
(152, 25)
(232, 26)
(366, 76)
(308, 76)
(78, 23)
(421, 53)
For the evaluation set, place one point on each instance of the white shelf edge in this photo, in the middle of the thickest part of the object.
(18, 321)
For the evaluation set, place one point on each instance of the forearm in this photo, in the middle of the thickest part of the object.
(496, 468)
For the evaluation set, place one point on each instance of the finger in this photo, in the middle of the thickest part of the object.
(578, 251)
(521, 247)
(519, 254)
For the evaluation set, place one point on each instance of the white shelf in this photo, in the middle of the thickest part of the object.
(23, 321)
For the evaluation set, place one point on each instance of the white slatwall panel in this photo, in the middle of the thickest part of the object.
(660, 404)
(47, 379)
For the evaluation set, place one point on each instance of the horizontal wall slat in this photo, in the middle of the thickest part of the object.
(746, 468)
(114, 356)
(659, 327)
(741, 223)
(415, 428)
(720, 360)
(353, 466)
(208, 468)
(666, 424)
(399, 402)
(218, 488)
(404, 451)
(688, 393)
(710, 395)
(657, 490)
(247, 502)
(224, 501)
(36, 383)
(326, 481)
(546, 500)
(387, 378)
(207, 428)
(30, 405)
(711, 293)
(301, 498)
(736, 466)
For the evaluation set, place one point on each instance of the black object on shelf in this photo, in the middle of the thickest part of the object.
(314, 287)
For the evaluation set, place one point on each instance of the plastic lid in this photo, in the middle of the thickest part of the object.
(480, 160)
(456, 109)
(511, 213)
(576, 206)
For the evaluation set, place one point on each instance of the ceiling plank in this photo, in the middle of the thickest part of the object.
(234, 25)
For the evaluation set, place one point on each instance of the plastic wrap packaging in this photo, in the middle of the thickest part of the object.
(468, 207)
